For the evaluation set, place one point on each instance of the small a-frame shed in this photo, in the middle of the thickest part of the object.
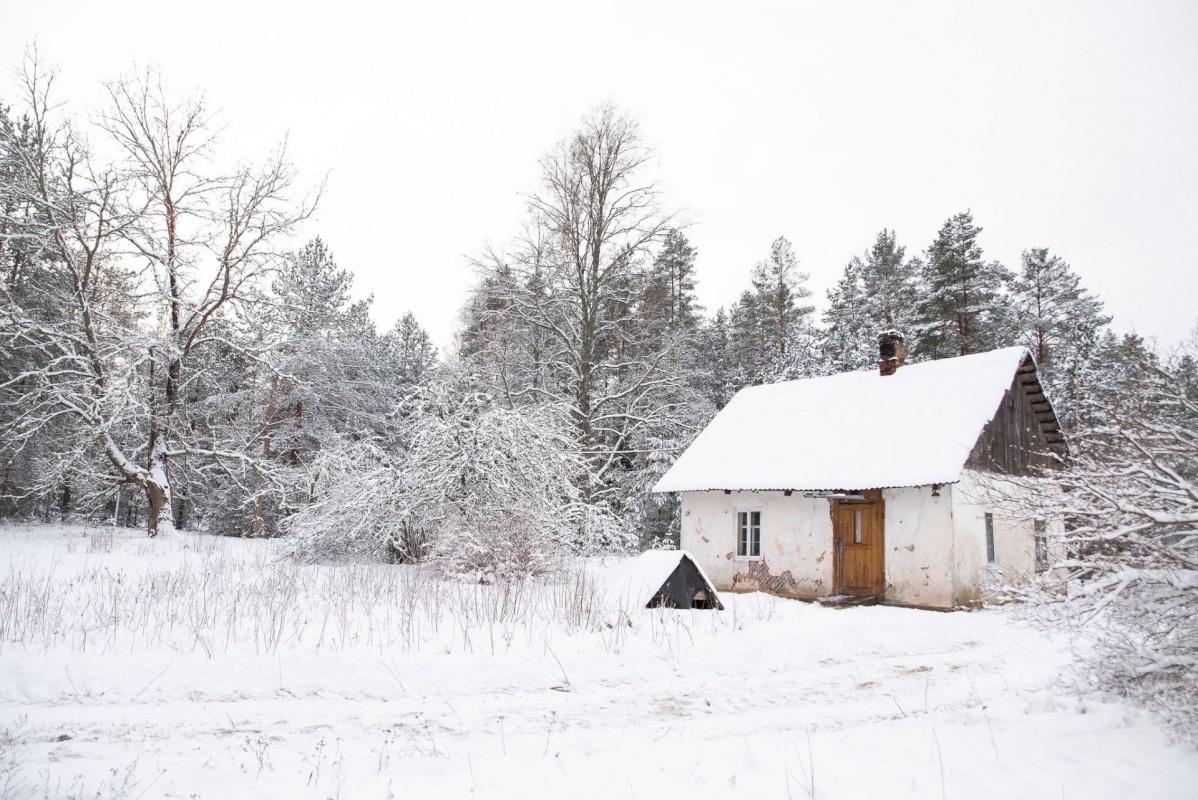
(667, 578)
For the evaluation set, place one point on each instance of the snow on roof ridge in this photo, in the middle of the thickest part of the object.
(852, 430)
(634, 582)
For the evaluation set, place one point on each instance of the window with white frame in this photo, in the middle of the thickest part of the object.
(748, 534)
(1040, 534)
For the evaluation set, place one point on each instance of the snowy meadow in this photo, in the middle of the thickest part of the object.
(197, 666)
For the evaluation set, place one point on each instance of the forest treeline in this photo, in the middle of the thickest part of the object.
(167, 361)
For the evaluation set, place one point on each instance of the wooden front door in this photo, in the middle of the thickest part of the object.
(858, 541)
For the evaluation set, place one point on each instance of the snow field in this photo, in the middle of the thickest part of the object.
(199, 667)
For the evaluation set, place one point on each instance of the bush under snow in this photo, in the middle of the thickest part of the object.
(478, 488)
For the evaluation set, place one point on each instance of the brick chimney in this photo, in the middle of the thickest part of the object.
(892, 351)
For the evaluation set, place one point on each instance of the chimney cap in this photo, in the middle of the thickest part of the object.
(892, 351)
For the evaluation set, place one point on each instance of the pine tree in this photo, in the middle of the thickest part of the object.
(411, 352)
(1060, 322)
(713, 356)
(765, 324)
(889, 281)
(777, 286)
(1051, 306)
(668, 301)
(311, 291)
(876, 293)
(964, 307)
(332, 367)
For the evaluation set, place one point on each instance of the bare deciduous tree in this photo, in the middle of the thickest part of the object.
(1129, 583)
(186, 244)
(555, 320)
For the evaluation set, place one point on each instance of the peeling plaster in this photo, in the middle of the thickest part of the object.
(758, 577)
(934, 545)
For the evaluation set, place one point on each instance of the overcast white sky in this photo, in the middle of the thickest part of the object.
(1067, 125)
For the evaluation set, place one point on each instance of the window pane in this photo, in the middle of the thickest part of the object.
(857, 526)
(748, 533)
(989, 538)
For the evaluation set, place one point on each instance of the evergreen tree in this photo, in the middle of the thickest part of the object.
(333, 373)
(1051, 306)
(777, 286)
(311, 292)
(1113, 382)
(889, 281)
(411, 352)
(668, 301)
(964, 306)
(877, 292)
(1060, 322)
(766, 323)
(716, 359)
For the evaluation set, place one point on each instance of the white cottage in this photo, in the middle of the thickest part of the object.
(870, 484)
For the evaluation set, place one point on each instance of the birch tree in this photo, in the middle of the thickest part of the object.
(560, 306)
(205, 240)
(72, 349)
(157, 254)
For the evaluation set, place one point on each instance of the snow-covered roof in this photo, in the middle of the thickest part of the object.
(856, 430)
(634, 582)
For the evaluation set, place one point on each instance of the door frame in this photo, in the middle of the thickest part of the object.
(872, 500)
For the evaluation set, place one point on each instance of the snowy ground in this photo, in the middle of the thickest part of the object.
(207, 668)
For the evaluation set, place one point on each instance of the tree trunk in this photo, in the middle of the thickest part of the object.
(181, 509)
(158, 493)
(6, 490)
(270, 415)
(299, 424)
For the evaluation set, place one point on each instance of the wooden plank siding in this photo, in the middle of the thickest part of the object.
(1024, 437)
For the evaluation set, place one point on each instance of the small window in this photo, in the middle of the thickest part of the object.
(990, 538)
(857, 526)
(1040, 528)
(748, 534)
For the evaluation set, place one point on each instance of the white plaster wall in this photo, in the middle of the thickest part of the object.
(935, 546)
(973, 574)
(1014, 537)
(796, 541)
(919, 546)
